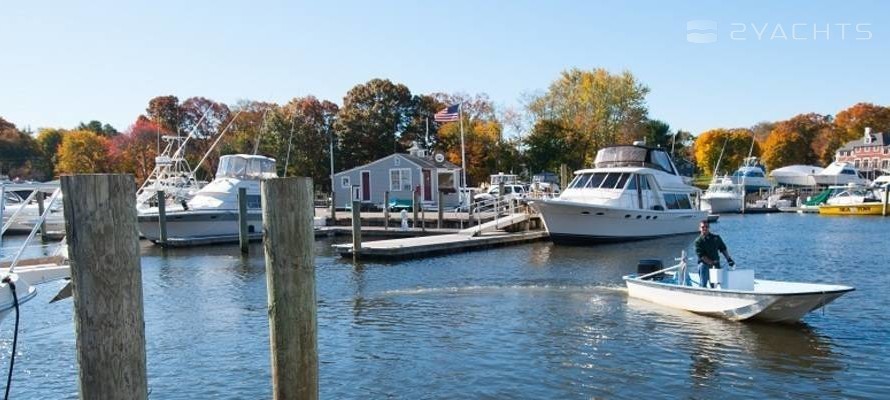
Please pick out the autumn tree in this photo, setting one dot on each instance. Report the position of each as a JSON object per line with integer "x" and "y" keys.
{"x": 813, "y": 130}
{"x": 734, "y": 144}
{"x": 135, "y": 150}
{"x": 550, "y": 145}
{"x": 48, "y": 142}
{"x": 19, "y": 153}
{"x": 82, "y": 152}
{"x": 603, "y": 108}
{"x": 786, "y": 147}
{"x": 373, "y": 118}
{"x": 166, "y": 112}
{"x": 850, "y": 124}
{"x": 482, "y": 141}
{"x": 304, "y": 127}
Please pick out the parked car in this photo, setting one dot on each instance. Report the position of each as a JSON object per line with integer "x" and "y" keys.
{"x": 512, "y": 193}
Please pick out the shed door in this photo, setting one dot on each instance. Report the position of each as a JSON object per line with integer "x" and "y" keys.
{"x": 427, "y": 185}
{"x": 366, "y": 185}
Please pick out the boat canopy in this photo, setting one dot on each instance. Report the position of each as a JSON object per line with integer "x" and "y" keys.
{"x": 243, "y": 166}
{"x": 634, "y": 156}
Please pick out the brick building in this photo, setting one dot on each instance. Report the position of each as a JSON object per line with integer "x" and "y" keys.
{"x": 870, "y": 153}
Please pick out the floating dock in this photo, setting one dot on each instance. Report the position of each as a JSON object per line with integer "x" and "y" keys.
{"x": 439, "y": 244}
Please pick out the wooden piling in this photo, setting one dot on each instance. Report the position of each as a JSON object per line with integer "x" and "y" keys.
{"x": 40, "y": 210}
{"x": 356, "y": 227}
{"x": 243, "y": 235}
{"x": 441, "y": 210}
{"x": 290, "y": 280}
{"x": 386, "y": 210}
{"x": 414, "y": 203}
{"x": 886, "y": 200}
{"x": 333, "y": 206}
{"x": 106, "y": 277}
{"x": 162, "y": 218}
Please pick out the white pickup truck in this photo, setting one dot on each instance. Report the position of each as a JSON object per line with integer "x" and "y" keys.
{"x": 512, "y": 193}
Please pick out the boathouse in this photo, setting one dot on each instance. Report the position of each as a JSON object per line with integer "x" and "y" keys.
{"x": 400, "y": 174}
{"x": 869, "y": 154}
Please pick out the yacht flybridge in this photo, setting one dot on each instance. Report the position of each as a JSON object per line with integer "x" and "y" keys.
{"x": 634, "y": 192}
{"x": 213, "y": 211}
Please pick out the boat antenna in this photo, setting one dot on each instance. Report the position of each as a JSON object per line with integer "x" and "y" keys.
{"x": 221, "y": 134}
{"x": 673, "y": 140}
{"x": 721, "y": 156}
{"x": 290, "y": 140}
{"x": 751, "y": 149}
{"x": 259, "y": 136}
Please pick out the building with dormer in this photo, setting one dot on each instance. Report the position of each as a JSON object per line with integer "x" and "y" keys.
{"x": 870, "y": 154}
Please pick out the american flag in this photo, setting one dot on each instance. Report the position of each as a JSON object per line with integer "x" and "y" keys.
{"x": 450, "y": 114}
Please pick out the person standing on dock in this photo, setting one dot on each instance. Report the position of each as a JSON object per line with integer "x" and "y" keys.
{"x": 707, "y": 248}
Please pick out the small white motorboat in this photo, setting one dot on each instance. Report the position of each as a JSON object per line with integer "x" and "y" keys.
{"x": 737, "y": 296}
{"x": 23, "y": 291}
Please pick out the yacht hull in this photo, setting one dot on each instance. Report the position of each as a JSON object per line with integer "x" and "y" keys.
{"x": 852, "y": 209}
{"x": 787, "y": 306}
{"x": 199, "y": 223}
{"x": 574, "y": 223}
{"x": 721, "y": 204}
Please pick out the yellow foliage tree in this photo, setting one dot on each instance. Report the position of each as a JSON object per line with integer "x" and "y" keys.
{"x": 481, "y": 141}
{"x": 785, "y": 146}
{"x": 82, "y": 152}
{"x": 709, "y": 144}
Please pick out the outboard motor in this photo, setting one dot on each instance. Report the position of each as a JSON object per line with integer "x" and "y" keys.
{"x": 649, "y": 266}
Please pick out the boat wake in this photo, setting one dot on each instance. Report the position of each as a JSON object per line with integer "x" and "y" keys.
{"x": 610, "y": 287}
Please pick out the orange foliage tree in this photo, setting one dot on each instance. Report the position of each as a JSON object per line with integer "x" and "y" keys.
{"x": 136, "y": 149}
{"x": 709, "y": 144}
{"x": 813, "y": 135}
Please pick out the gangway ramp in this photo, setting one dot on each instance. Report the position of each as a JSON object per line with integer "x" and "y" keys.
{"x": 497, "y": 224}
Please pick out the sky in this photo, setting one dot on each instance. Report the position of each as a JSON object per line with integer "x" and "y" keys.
{"x": 66, "y": 62}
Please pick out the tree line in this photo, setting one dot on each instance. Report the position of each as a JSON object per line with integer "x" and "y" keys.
{"x": 579, "y": 113}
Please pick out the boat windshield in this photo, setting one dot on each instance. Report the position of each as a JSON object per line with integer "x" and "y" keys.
{"x": 246, "y": 167}
{"x": 634, "y": 156}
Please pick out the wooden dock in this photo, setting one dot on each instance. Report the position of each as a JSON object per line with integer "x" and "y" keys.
{"x": 320, "y": 232}
{"x": 439, "y": 244}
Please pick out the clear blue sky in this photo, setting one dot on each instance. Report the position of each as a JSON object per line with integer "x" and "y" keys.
{"x": 69, "y": 61}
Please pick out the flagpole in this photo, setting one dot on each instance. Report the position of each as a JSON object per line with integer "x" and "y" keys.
{"x": 463, "y": 153}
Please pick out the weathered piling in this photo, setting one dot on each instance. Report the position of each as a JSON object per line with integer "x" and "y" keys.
{"x": 356, "y": 226}
{"x": 441, "y": 210}
{"x": 290, "y": 279}
{"x": 333, "y": 205}
{"x": 886, "y": 200}
{"x": 162, "y": 218}
{"x": 414, "y": 203}
{"x": 386, "y": 210}
{"x": 40, "y": 210}
{"x": 243, "y": 236}
{"x": 106, "y": 277}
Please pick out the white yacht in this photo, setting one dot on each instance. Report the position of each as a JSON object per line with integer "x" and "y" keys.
{"x": 838, "y": 173}
{"x": 752, "y": 175}
{"x": 723, "y": 196}
{"x": 20, "y": 214}
{"x": 795, "y": 175}
{"x": 213, "y": 211}
{"x": 634, "y": 192}
{"x": 172, "y": 174}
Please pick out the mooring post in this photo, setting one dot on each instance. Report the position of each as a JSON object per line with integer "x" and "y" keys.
{"x": 243, "y": 238}
{"x": 162, "y": 217}
{"x": 414, "y": 203}
{"x": 441, "y": 209}
{"x": 386, "y": 210}
{"x": 290, "y": 280}
{"x": 356, "y": 228}
{"x": 40, "y": 210}
{"x": 106, "y": 277}
{"x": 333, "y": 206}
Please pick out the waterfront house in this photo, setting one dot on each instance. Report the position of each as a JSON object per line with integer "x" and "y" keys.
{"x": 401, "y": 174}
{"x": 870, "y": 154}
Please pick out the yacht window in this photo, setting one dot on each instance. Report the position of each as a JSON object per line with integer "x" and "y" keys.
{"x": 754, "y": 174}
{"x": 611, "y": 180}
{"x": 632, "y": 182}
{"x": 676, "y": 201}
{"x": 685, "y": 203}
{"x": 644, "y": 182}
{"x": 580, "y": 181}
{"x": 622, "y": 180}
{"x": 662, "y": 160}
{"x": 652, "y": 184}
{"x": 596, "y": 180}
{"x": 508, "y": 189}
{"x": 237, "y": 166}
{"x": 848, "y": 171}
{"x": 254, "y": 168}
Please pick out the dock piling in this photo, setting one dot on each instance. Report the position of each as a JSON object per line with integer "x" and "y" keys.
{"x": 356, "y": 227}
{"x": 290, "y": 278}
{"x": 441, "y": 210}
{"x": 106, "y": 277}
{"x": 243, "y": 236}
{"x": 40, "y": 210}
{"x": 414, "y": 203}
{"x": 162, "y": 218}
{"x": 886, "y": 200}
{"x": 386, "y": 210}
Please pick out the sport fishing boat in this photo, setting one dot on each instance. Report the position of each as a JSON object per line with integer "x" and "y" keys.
{"x": 213, "y": 211}
{"x": 838, "y": 173}
{"x": 737, "y": 295}
{"x": 633, "y": 192}
{"x": 752, "y": 175}
{"x": 723, "y": 196}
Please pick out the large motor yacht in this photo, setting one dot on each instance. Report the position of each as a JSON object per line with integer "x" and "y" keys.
{"x": 213, "y": 211}
{"x": 752, "y": 175}
{"x": 634, "y": 192}
{"x": 723, "y": 196}
{"x": 838, "y": 173}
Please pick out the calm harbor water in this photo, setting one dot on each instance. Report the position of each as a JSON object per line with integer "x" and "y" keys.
{"x": 532, "y": 321}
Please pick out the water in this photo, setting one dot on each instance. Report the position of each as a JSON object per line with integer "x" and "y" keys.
{"x": 533, "y": 321}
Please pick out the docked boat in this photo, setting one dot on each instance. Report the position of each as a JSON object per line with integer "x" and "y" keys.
{"x": 20, "y": 214}
{"x": 23, "y": 291}
{"x": 795, "y": 175}
{"x": 213, "y": 211}
{"x": 752, "y": 175}
{"x": 633, "y": 192}
{"x": 738, "y": 295}
{"x": 723, "y": 196}
{"x": 854, "y": 200}
{"x": 838, "y": 173}
{"x": 171, "y": 174}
